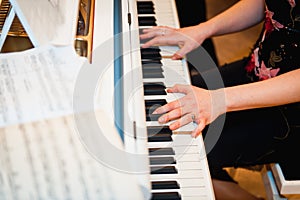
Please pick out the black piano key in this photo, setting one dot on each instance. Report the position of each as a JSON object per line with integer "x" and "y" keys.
{"x": 157, "y": 88}
{"x": 161, "y": 151}
{"x": 152, "y": 102}
{"x": 151, "y": 105}
{"x": 164, "y": 185}
{"x": 150, "y": 66}
{"x": 147, "y": 21}
{"x": 145, "y": 4}
{"x": 150, "y": 51}
{"x": 151, "y": 57}
{"x": 154, "y": 62}
{"x": 153, "y": 75}
{"x": 156, "y": 130}
{"x": 162, "y": 160}
{"x": 163, "y": 170}
{"x": 146, "y": 11}
{"x": 155, "y": 56}
{"x": 151, "y": 54}
{"x": 160, "y": 138}
{"x": 159, "y": 134}
{"x": 165, "y": 196}
{"x": 153, "y": 70}
{"x": 150, "y": 109}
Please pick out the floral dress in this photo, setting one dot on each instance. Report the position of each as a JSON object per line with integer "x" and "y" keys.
{"x": 278, "y": 49}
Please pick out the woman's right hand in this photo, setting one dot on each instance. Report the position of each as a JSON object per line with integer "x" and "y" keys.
{"x": 187, "y": 38}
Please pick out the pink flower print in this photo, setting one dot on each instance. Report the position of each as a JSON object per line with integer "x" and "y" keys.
{"x": 274, "y": 72}
{"x": 276, "y": 24}
{"x": 256, "y": 57}
{"x": 268, "y": 22}
{"x": 250, "y": 65}
{"x": 253, "y": 61}
{"x": 292, "y": 3}
{"x": 266, "y": 73}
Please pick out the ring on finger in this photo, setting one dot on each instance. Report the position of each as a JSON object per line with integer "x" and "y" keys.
{"x": 193, "y": 118}
{"x": 163, "y": 32}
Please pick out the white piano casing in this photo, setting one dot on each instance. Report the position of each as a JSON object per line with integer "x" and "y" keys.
{"x": 135, "y": 138}
{"x": 104, "y": 96}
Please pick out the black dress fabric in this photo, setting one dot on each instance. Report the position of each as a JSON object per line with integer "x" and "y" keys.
{"x": 265, "y": 135}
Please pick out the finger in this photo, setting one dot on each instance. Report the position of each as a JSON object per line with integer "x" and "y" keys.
{"x": 154, "y": 32}
{"x": 177, "y": 56}
{"x": 168, "y": 107}
{"x": 199, "y": 129}
{"x": 179, "y": 88}
{"x": 148, "y": 35}
{"x": 172, "y": 115}
{"x": 181, "y": 122}
{"x": 152, "y": 42}
{"x": 183, "y": 51}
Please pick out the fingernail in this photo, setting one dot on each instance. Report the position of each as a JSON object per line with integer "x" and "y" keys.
{"x": 193, "y": 135}
{"x": 161, "y": 120}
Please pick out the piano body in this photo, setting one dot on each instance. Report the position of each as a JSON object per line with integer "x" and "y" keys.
{"x": 177, "y": 162}
{"x": 168, "y": 165}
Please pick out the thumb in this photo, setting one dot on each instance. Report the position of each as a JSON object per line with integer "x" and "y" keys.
{"x": 186, "y": 48}
{"x": 179, "y": 88}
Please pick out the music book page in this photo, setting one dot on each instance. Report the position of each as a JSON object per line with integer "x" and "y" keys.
{"x": 37, "y": 83}
{"x": 46, "y": 150}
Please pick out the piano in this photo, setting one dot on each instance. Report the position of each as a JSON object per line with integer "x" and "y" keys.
{"x": 178, "y": 165}
{"x": 168, "y": 164}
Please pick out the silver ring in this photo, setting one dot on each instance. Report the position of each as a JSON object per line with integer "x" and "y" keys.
{"x": 193, "y": 118}
{"x": 163, "y": 32}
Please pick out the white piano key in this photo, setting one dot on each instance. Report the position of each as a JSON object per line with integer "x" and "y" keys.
{"x": 184, "y": 164}
{"x": 191, "y": 192}
{"x": 187, "y": 182}
{"x": 195, "y": 173}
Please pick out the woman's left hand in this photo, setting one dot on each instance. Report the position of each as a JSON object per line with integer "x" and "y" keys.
{"x": 199, "y": 105}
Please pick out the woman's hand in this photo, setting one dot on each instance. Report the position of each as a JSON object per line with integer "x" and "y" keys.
{"x": 187, "y": 38}
{"x": 198, "y": 105}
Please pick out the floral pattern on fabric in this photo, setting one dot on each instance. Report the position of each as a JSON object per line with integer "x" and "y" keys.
{"x": 278, "y": 48}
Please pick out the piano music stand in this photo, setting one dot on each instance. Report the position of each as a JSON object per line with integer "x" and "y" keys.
{"x": 13, "y": 12}
{"x": 6, "y": 27}
{"x": 47, "y": 22}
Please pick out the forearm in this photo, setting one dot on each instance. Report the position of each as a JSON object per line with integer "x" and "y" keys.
{"x": 279, "y": 90}
{"x": 240, "y": 16}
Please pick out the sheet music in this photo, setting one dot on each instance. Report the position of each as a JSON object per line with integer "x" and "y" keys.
{"x": 44, "y": 151}
{"x": 47, "y": 160}
{"x": 37, "y": 83}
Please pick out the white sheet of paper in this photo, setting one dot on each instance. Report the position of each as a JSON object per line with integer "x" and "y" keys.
{"x": 37, "y": 83}
{"x": 47, "y": 160}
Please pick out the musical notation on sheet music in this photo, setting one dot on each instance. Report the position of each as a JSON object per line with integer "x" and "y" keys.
{"x": 37, "y": 83}
{"x": 47, "y": 160}
{"x": 43, "y": 154}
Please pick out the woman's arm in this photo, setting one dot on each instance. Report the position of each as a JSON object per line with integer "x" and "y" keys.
{"x": 275, "y": 91}
{"x": 242, "y": 15}
{"x": 204, "y": 106}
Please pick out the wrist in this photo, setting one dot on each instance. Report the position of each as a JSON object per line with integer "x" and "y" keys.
{"x": 206, "y": 29}
{"x": 218, "y": 101}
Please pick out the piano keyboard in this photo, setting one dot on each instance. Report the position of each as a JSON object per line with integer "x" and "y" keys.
{"x": 178, "y": 164}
